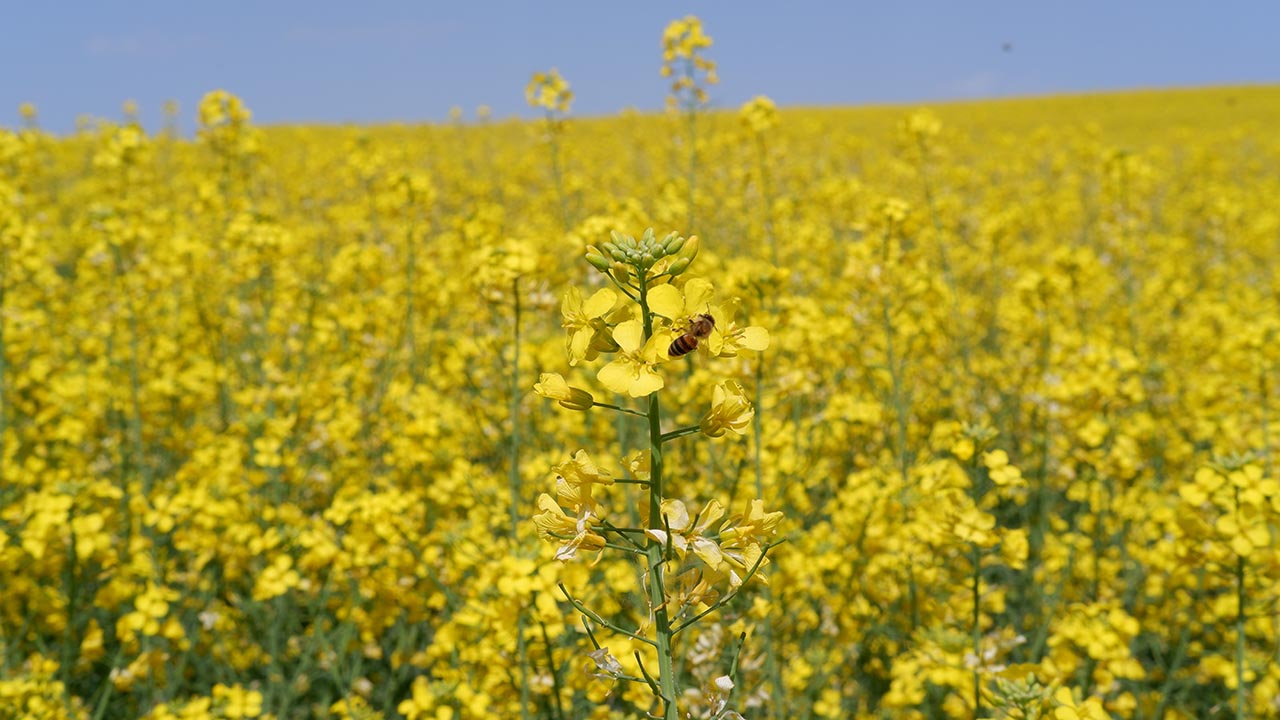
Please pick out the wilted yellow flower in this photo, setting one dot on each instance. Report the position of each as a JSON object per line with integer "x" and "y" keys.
{"x": 730, "y": 410}
{"x": 573, "y": 533}
{"x": 685, "y": 535}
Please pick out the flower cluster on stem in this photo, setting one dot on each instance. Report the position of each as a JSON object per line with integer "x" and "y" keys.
{"x": 693, "y": 561}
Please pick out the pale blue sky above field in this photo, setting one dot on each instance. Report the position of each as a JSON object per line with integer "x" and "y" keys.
{"x": 339, "y": 61}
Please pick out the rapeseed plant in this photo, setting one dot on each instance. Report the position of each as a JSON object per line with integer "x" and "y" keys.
{"x": 694, "y": 561}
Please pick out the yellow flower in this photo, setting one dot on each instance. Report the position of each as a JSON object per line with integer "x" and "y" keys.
{"x": 973, "y": 525}
{"x": 574, "y": 533}
{"x": 276, "y": 579}
{"x": 730, "y": 410}
{"x": 756, "y": 527}
{"x": 675, "y": 304}
{"x": 1069, "y": 709}
{"x": 632, "y": 369}
{"x": 553, "y": 387}
{"x": 1244, "y": 531}
{"x": 240, "y": 703}
{"x": 420, "y": 703}
{"x": 588, "y": 333}
{"x": 759, "y": 114}
{"x": 729, "y": 338}
{"x": 999, "y": 469}
{"x": 549, "y": 91}
{"x": 575, "y": 477}
{"x": 685, "y": 535}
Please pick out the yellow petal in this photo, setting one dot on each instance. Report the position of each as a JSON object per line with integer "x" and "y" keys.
{"x": 666, "y": 301}
{"x": 617, "y": 376}
{"x": 571, "y": 303}
{"x": 600, "y": 303}
{"x": 715, "y": 342}
{"x": 553, "y": 386}
{"x": 709, "y": 551}
{"x": 711, "y": 513}
{"x": 697, "y": 295}
{"x": 579, "y": 343}
{"x": 655, "y": 350}
{"x": 645, "y": 383}
{"x": 628, "y": 335}
{"x": 676, "y": 514}
{"x": 755, "y": 338}
{"x": 1258, "y": 535}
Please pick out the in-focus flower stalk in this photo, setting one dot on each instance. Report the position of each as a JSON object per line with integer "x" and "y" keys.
{"x": 710, "y": 559}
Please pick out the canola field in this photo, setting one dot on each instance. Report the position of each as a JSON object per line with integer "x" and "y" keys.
{"x": 385, "y": 422}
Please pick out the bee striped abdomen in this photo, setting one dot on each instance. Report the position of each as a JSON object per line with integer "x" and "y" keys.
{"x": 682, "y": 345}
{"x": 700, "y": 326}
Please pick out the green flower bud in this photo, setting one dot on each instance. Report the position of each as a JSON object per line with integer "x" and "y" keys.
{"x": 690, "y": 249}
{"x": 672, "y": 244}
{"x": 621, "y": 273}
{"x": 597, "y": 260}
{"x": 679, "y": 266}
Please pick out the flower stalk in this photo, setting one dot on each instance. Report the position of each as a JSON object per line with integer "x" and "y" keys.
{"x": 687, "y": 559}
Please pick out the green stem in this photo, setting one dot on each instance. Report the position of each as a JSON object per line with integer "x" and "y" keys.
{"x": 654, "y": 549}
{"x": 553, "y": 132}
{"x": 1239, "y": 637}
{"x": 524, "y": 668}
{"x": 762, "y": 155}
{"x": 693, "y": 143}
{"x": 772, "y": 668}
{"x": 513, "y": 478}
{"x": 4, "y": 368}
{"x": 977, "y": 630}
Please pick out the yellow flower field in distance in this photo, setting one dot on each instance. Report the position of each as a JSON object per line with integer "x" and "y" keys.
{"x": 992, "y": 385}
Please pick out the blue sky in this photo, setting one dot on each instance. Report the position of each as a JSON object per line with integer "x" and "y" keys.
{"x": 376, "y": 61}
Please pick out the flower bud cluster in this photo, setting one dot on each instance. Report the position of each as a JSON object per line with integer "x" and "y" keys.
{"x": 626, "y": 259}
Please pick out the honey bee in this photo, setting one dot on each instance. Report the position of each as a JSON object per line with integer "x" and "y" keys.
{"x": 700, "y": 326}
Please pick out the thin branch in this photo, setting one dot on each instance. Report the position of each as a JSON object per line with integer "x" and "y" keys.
{"x": 577, "y": 604}
{"x": 597, "y": 403}
{"x": 622, "y": 534}
{"x": 725, "y": 600}
{"x": 681, "y": 432}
